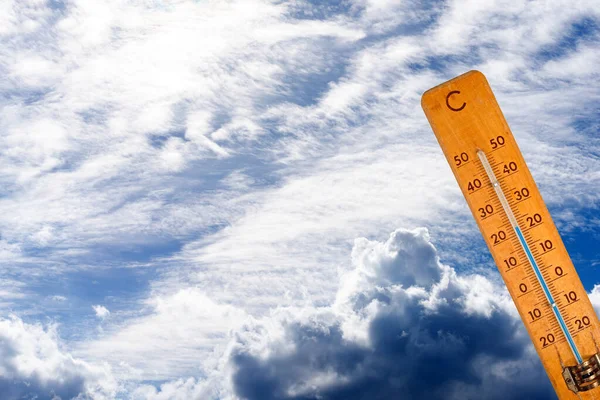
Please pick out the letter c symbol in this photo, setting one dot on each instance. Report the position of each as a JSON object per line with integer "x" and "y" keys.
{"x": 448, "y": 103}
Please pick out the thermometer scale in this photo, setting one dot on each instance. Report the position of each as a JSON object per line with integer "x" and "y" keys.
{"x": 519, "y": 232}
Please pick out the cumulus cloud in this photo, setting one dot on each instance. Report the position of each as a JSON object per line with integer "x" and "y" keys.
{"x": 101, "y": 311}
{"x": 33, "y": 365}
{"x": 403, "y": 326}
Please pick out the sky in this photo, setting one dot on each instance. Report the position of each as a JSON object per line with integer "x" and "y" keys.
{"x": 243, "y": 199}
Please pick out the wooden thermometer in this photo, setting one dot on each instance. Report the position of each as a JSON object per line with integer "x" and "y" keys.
{"x": 519, "y": 232}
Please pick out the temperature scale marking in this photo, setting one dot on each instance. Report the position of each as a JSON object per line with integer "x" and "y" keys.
{"x": 519, "y": 232}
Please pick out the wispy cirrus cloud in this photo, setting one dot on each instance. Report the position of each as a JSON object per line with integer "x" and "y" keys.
{"x": 138, "y": 121}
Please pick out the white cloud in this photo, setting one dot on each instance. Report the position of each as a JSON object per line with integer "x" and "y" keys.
{"x": 101, "y": 311}
{"x": 124, "y": 75}
{"x": 180, "y": 390}
{"x": 33, "y": 365}
{"x": 10, "y": 291}
{"x": 577, "y": 65}
{"x": 181, "y": 331}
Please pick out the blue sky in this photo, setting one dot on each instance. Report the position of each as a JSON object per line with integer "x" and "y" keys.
{"x": 243, "y": 199}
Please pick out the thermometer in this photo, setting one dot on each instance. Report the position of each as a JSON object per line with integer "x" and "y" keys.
{"x": 519, "y": 232}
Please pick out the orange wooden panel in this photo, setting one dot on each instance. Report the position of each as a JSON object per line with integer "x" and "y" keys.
{"x": 465, "y": 117}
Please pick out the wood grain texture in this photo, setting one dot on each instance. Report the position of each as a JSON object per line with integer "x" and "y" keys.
{"x": 465, "y": 117}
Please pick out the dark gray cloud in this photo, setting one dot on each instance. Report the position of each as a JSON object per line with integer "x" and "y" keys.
{"x": 426, "y": 333}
